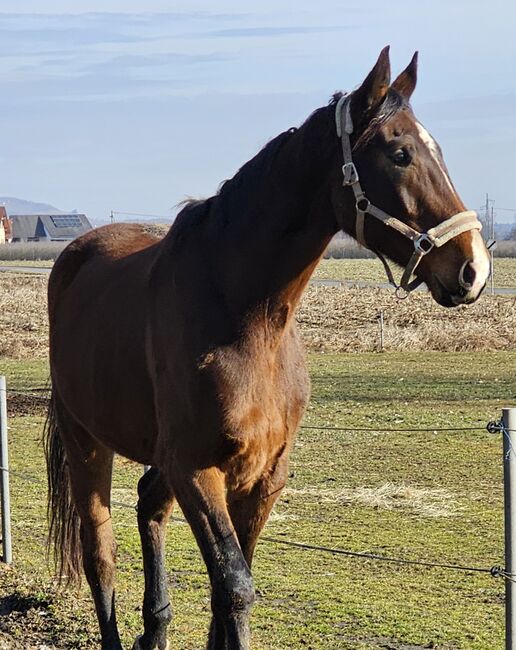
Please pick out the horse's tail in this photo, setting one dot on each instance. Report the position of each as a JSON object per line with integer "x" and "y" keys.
{"x": 63, "y": 517}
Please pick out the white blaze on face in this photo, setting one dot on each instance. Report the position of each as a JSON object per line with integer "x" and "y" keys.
{"x": 434, "y": 152}
{"x": 480, "y": 262}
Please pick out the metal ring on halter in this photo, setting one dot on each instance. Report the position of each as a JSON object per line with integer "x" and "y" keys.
{"x": 363, "y": 204}
{"x": 401, "y": 293}
{"x": 419, "y": 241}
{"x": 350, "y": 173}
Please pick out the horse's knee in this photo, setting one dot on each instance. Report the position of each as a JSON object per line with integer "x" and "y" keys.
{"x": 233, "y": 595}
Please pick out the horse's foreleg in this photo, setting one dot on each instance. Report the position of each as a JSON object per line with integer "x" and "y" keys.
{"x": 155, "y": 504}
{"x": 201, "y": 495}
{"x": 90, "y": 466}
{"x": 249, "y": 513}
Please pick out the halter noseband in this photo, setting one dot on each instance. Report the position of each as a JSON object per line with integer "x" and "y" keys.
{"x": 423, "y": 242}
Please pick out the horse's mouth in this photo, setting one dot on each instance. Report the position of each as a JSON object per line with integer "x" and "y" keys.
{"x": 446, "y": 298}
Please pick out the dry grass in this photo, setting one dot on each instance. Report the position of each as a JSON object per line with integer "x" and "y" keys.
{"x": 424, "y": 502}
{"x": 435, "y": 502}
{"x": 31, "y": 251}
{"x": 332, "y": 319}
{"x": 23, "y": 316}
{"x": 347, "y": 248}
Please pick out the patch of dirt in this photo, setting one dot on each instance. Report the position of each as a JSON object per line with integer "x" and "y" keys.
{"x": 24, "y": 404}
{"x": 386, "y": 643}
{"x": 24, "y": 620}
{"x": 31, "y": 608}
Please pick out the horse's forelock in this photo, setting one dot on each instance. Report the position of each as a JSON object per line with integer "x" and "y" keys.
{"x": 392, "y": 104}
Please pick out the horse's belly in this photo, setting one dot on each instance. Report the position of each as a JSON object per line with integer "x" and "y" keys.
{"x": 100, "y": 375}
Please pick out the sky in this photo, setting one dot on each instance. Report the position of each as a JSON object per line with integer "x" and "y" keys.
{"x": 133, "y": 106}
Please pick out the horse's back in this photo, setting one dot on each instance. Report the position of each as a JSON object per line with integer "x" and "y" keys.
{"x": 101, "y": 246}
{"x": 97, "y": 311}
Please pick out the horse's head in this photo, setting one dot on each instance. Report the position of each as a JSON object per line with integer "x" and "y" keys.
{"x": 398, "y": 167}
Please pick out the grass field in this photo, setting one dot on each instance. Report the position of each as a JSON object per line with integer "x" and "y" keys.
{"x": 372, "y": 270}
{"x": 331, "y": 319}
{"x": 365, "y": 270}
{"x": 32, "y": 263}
{"x": 432, "y": 496}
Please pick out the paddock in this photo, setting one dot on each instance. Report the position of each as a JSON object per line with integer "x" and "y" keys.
{"x": 415, "y": 493}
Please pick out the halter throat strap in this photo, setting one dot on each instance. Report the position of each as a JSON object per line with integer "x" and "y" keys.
{"x": 423, "y": 242}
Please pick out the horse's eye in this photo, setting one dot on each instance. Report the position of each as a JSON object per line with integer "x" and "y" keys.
{"x": 401, "y": 157}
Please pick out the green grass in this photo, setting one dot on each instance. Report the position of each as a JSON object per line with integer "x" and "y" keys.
{"x": 312, "y": 599}
{"x": 26, "y": 374}
{"x": 34, "y": 263}
{"x": 371, "y": 270}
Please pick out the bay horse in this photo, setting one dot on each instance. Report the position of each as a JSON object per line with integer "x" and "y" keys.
{"x": 182, "y": 353}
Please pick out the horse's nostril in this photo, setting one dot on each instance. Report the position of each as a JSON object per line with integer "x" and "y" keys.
{"x": 467, "y": 275}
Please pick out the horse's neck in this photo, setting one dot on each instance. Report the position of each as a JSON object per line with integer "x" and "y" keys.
{"x": 277, "y": 226}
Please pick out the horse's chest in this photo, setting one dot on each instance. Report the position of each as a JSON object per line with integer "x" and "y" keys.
{"x": 262, "y": 404}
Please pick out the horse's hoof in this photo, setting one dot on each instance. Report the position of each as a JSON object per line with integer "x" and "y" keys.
{"x": 137, "y": 645}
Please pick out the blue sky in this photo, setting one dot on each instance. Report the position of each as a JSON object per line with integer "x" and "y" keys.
{"x": 132, "y": 106}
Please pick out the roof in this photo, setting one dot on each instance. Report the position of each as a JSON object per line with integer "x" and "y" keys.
{"x": 49, "y": 226}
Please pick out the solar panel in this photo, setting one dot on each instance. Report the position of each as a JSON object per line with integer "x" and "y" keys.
{"x": 66, "y": 221}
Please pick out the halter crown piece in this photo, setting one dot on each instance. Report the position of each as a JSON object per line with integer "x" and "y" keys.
{"x": 423, "y": 242}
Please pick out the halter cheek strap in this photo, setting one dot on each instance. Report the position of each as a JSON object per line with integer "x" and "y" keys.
{"x": 423, "y": 242}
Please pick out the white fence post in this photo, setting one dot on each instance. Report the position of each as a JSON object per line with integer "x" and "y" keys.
{"x": 380, "y": 328}
{"x": 509, "y": 479}
{"x": 7, "y": 556}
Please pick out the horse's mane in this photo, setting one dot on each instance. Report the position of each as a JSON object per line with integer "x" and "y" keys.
{"x": 194, "y": 211}
{"x": 259, "y": 165}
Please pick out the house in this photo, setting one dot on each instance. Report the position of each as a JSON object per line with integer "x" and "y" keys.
{"x": 48, "y": 227}
{"x": 5, "y": 226}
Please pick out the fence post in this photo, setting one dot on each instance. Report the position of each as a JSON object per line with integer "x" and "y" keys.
{"x": 509, "y": 480}
{"x": 7, "y": 556}
{"x": 380, "y": 328}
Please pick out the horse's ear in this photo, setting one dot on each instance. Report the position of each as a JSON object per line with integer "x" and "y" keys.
{"x": 405, "y": 82}
{"x": 373, "y": 90}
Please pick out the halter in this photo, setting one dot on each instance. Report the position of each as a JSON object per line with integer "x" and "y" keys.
{"x": 423, "y": 242}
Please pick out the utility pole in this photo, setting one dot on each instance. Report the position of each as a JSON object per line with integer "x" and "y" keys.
{"x": 490, "y": 226}
{"x": 112, "y": 217}
{"x": 491, "y": 248}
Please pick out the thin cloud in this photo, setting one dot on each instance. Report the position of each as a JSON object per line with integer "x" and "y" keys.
{"x": 274, "y": 31}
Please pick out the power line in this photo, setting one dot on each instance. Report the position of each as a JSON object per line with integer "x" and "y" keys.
{"x": 142, "y": 214}
{"x": 382, "y": 430}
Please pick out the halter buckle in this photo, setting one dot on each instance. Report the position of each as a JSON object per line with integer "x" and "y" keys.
{"x": 423, "y": 244}
{"x": 350, "y": 173}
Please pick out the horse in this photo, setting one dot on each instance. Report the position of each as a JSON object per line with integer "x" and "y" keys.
{"x": 182, "y": 353}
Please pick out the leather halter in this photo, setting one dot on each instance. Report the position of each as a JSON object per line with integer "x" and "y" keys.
{"x": 423, "y": 242}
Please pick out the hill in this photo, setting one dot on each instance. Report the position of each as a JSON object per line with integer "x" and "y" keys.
{"x": 14, "y": 205}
